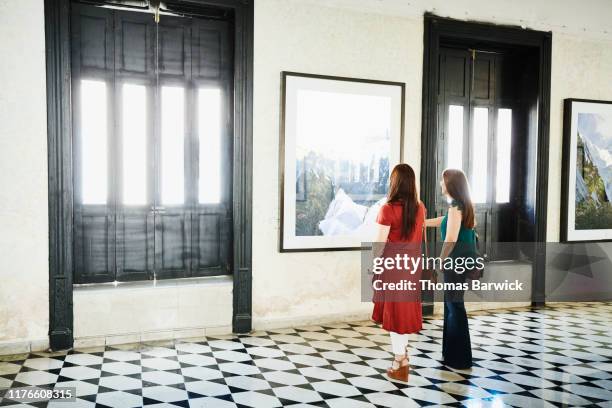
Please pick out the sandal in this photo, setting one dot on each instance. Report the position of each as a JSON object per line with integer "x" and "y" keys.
{"x": 398, "y": 370}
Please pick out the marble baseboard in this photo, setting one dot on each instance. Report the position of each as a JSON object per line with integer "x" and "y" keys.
{"x": 27, "y": 346}
{"x": 197, "y": 332}
{"x": 477, "y": 306}
{"x": 272, "y": 324}
{"x": 292, "y": 322}
{"x": 152, "y": 310}
{"x": 23, "y": 346}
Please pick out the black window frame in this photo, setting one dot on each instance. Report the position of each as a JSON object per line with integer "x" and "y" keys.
{"x": 119, "y": 242}
{"x": 493, "y": 95}
{"x": 59, "y": 142}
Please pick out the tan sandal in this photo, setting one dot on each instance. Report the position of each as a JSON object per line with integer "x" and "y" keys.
{"x": 401, "y": 372}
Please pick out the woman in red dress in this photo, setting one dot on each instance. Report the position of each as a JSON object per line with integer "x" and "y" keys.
{"x": 400, "y": 221}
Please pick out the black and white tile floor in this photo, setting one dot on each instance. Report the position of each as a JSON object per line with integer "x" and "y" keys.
{"x": 557, "y": 356}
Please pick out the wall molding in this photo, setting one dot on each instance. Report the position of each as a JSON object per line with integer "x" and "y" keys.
{"x": 23, "y": 346}
{"x": 312, "y": 320}
{"x": 191, "y": 333}
{"x": 59, "y": 145}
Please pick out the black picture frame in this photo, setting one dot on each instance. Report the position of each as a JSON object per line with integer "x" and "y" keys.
{"x": 282, "y": 139}
{"x": 566, "y": 177}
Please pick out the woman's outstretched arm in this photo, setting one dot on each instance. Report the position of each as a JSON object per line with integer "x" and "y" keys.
{"x": 433, "y": 222}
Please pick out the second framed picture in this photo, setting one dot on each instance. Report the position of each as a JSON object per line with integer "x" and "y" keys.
{"x": 340, "y": 137}
{"x": 586, "y": 203}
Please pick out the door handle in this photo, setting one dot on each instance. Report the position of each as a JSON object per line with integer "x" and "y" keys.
{"x": 158, "y": 210}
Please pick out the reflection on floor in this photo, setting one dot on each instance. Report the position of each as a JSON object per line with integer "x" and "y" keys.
{"x": 560, "y": 355}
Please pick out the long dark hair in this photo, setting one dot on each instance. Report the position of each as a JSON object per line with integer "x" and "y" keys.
{"x": 402, "y": 189}
{"x": 458, "y": 188}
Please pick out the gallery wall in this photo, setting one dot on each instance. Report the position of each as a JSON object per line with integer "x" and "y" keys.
{"x": 581, "y": 68}
{"x": 369, "y": 39}
{"x": 24, "y": 271}
{"x": 298, "y": 35}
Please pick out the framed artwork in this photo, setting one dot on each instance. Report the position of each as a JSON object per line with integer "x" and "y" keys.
{"x": 340, "y": 137}
{"x": 586, "y": 207}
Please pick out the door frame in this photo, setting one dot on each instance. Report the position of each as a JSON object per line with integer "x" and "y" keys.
{"x": 60, "y": 182}
{"x": 437, "y": 28}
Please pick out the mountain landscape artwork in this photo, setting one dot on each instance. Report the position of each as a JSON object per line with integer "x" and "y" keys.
{"x": 341, "y": 137}
{"x": 588, "y": 136}
{"x": 594, "y": 172}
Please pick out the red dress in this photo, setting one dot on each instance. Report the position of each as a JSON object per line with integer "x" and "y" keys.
{"x": 400, "y": 317}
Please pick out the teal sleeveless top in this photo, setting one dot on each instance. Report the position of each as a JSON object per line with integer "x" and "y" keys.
{"x": 466, "y": 235}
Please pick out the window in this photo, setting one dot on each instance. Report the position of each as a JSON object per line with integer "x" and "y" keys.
{"x": 480, "y": 103}
{"x": 94, "y": 152}
{"x": 134, "y": 141}
{"x": 210, "y": 134}
{"x": 504, "y": 151}
{"x": 454, "y": 152}
{"x": 483, "y": 148}
{"x": 479, "y": 158}
{"x": 152, "y": 137}
{"x": 172, "y": 145}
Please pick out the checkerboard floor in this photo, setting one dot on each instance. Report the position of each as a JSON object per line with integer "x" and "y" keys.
{"x": 560, "y": 355}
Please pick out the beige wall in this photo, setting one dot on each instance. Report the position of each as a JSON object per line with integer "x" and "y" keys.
{"x": 24, "y": 273}
{"x": 385, "y": 43}
{"x": 298, "y": 35}
{"x": 581, "y": 68}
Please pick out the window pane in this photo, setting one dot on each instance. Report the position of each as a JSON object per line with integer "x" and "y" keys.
{"x": 172, "y": 150}
{"x": 454, "y": 152}
{"x": 134, "y": 144}
{"x": 93, "y": 142}
{"x": 504, "y": 148}
{"x": 479, "y": 155}
{"x": 209, "y": 117}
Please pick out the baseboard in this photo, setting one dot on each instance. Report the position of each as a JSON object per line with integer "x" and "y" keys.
{"x": 242, "y": 323}
{"x": 34, "y": 345}
{"x": 60, "y": 340}
{"x": 143, "y": 337}
{"x": 23, "y": 346}
{"x": 309, "y": 320}
{"x": 438, "y": 308}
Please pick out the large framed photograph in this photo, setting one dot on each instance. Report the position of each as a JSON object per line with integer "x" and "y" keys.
{"x": 586, "y": 205}
{"x": 340, "y": 137}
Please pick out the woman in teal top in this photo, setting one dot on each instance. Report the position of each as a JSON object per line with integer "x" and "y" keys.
{"x": 458, "y": 236}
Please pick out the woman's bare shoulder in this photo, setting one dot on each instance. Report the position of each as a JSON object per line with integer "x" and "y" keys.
{"x": 454, "y": 211}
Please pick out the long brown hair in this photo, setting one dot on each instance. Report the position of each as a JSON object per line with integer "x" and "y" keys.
{"x": 458, "y": 188}
{"x": 402, "y": 189}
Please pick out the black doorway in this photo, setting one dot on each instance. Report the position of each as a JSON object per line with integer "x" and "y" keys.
{"x": 486, "y": 92}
